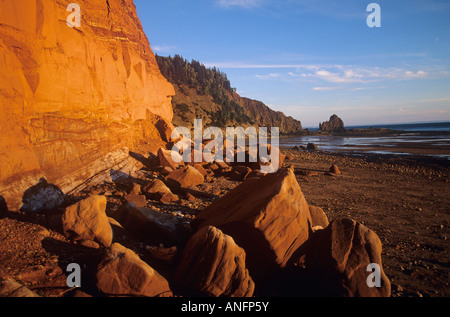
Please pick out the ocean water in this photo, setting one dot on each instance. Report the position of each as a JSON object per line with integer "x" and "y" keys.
{"x": 426, "y": 139}
{"x": 419, "y": 127}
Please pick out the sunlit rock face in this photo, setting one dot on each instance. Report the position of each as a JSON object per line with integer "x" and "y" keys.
{"x": 70, "y": 96}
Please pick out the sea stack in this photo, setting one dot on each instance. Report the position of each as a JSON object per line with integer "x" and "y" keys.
{"x": 335, "y": 124}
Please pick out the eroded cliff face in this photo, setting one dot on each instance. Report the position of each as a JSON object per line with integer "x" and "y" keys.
{"x": 74, "y": 100}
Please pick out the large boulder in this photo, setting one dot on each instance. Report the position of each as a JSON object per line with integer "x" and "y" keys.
{"x": 213, "y": 265}
{"x": 185, "y": 177}
{"x": 336, "y": 260}
{"x": 123, "y": 273}
{"x": 151, "y": 226}
{"x": 267, "y": 216}
{"x": 87, "y": 220}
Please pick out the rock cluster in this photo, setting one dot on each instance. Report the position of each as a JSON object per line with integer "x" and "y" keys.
{"x": 261, "y": 238}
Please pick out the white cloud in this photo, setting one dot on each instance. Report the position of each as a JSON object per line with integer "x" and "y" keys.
{"x": 163, "y": 48}
{"x": 240, "y": 3}
{"x": 268, "y": 76}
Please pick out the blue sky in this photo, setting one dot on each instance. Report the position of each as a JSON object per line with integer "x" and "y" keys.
{"x": 314, "y": 58}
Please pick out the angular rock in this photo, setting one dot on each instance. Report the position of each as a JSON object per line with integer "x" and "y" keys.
{"x": 123, "y": 273}
{"x": 268, "y": 217}
{"x": 150, "y": 226}
{"x": 337, "y": 257}
{"x": 212, "y": 264}
{"x": 335, "y": 170}
{"x": 169, "y": 198}
{"x": 200, "y": 168}
{"x": 136, "y": 200}
{"x": 11, "y": 288}
{"x": 166, "y": 159}
{"x": 87, "y": 220}
{"x": 318, "y": 217}
{"x": 156, "y": 189}
{"x": 42, "y": 196}
{"x": 185, "y": 177}
{"x": 135, "y": 189}
{"x": 240, "y": 173}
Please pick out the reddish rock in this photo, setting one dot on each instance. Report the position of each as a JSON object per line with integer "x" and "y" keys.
{"x": 200, "y": 168}
{"x": 268, "y": 217}
{"x": 337, "y": 257}
{"x": 185, "y": 177}
{"x": 222, "y": 165}
{"x": 318, "y": 217}
{"x": 213, "y": 265}
{"x": 135, "y": 189}
{"x": 190, "y": 197}
{"x": 240, "y": 173}
{"x": 136, "y": 200}
{"x": 169, "y": 198}
{"x": 87, "y": 220}
{"x": 166, "y": 159}
{"x": 335, "y": 170}
{"x": 156, "y": 189}
{"x": 123, "y": 273}
{"x": 12, "y": 288}
{"x": 151, "y": 226}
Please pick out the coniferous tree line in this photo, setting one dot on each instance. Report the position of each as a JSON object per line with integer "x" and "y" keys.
{"x": 206, "y": 81}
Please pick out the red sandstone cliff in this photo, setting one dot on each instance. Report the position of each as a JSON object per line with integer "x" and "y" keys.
{"x": 71, "y": 99}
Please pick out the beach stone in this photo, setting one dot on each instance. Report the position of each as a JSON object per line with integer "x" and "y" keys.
{"x": 135, "y": 189}
{"x": 268, "y": 217}
{"x": 156, "y": 189}
{"x": 200, "y": 168}
{"x": 136, "y": 200}
{"x": 123, "y": 273}
{"x": 166, "y": 160}
{"x": 169, "y": 198}
{"x": 185, "y": 177}
{"x": 318, "y": 217}
{"x": 337, "y": 257}
{"x": 213, "y": 265}
{"x": 312, "y": 146}
{"x": 87, "y": 220}
{"x": 335, "y": 170}
{"x": 151, "y": 226}
{"x": 240, "y": 173}
{"x": 11, "y": 288}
